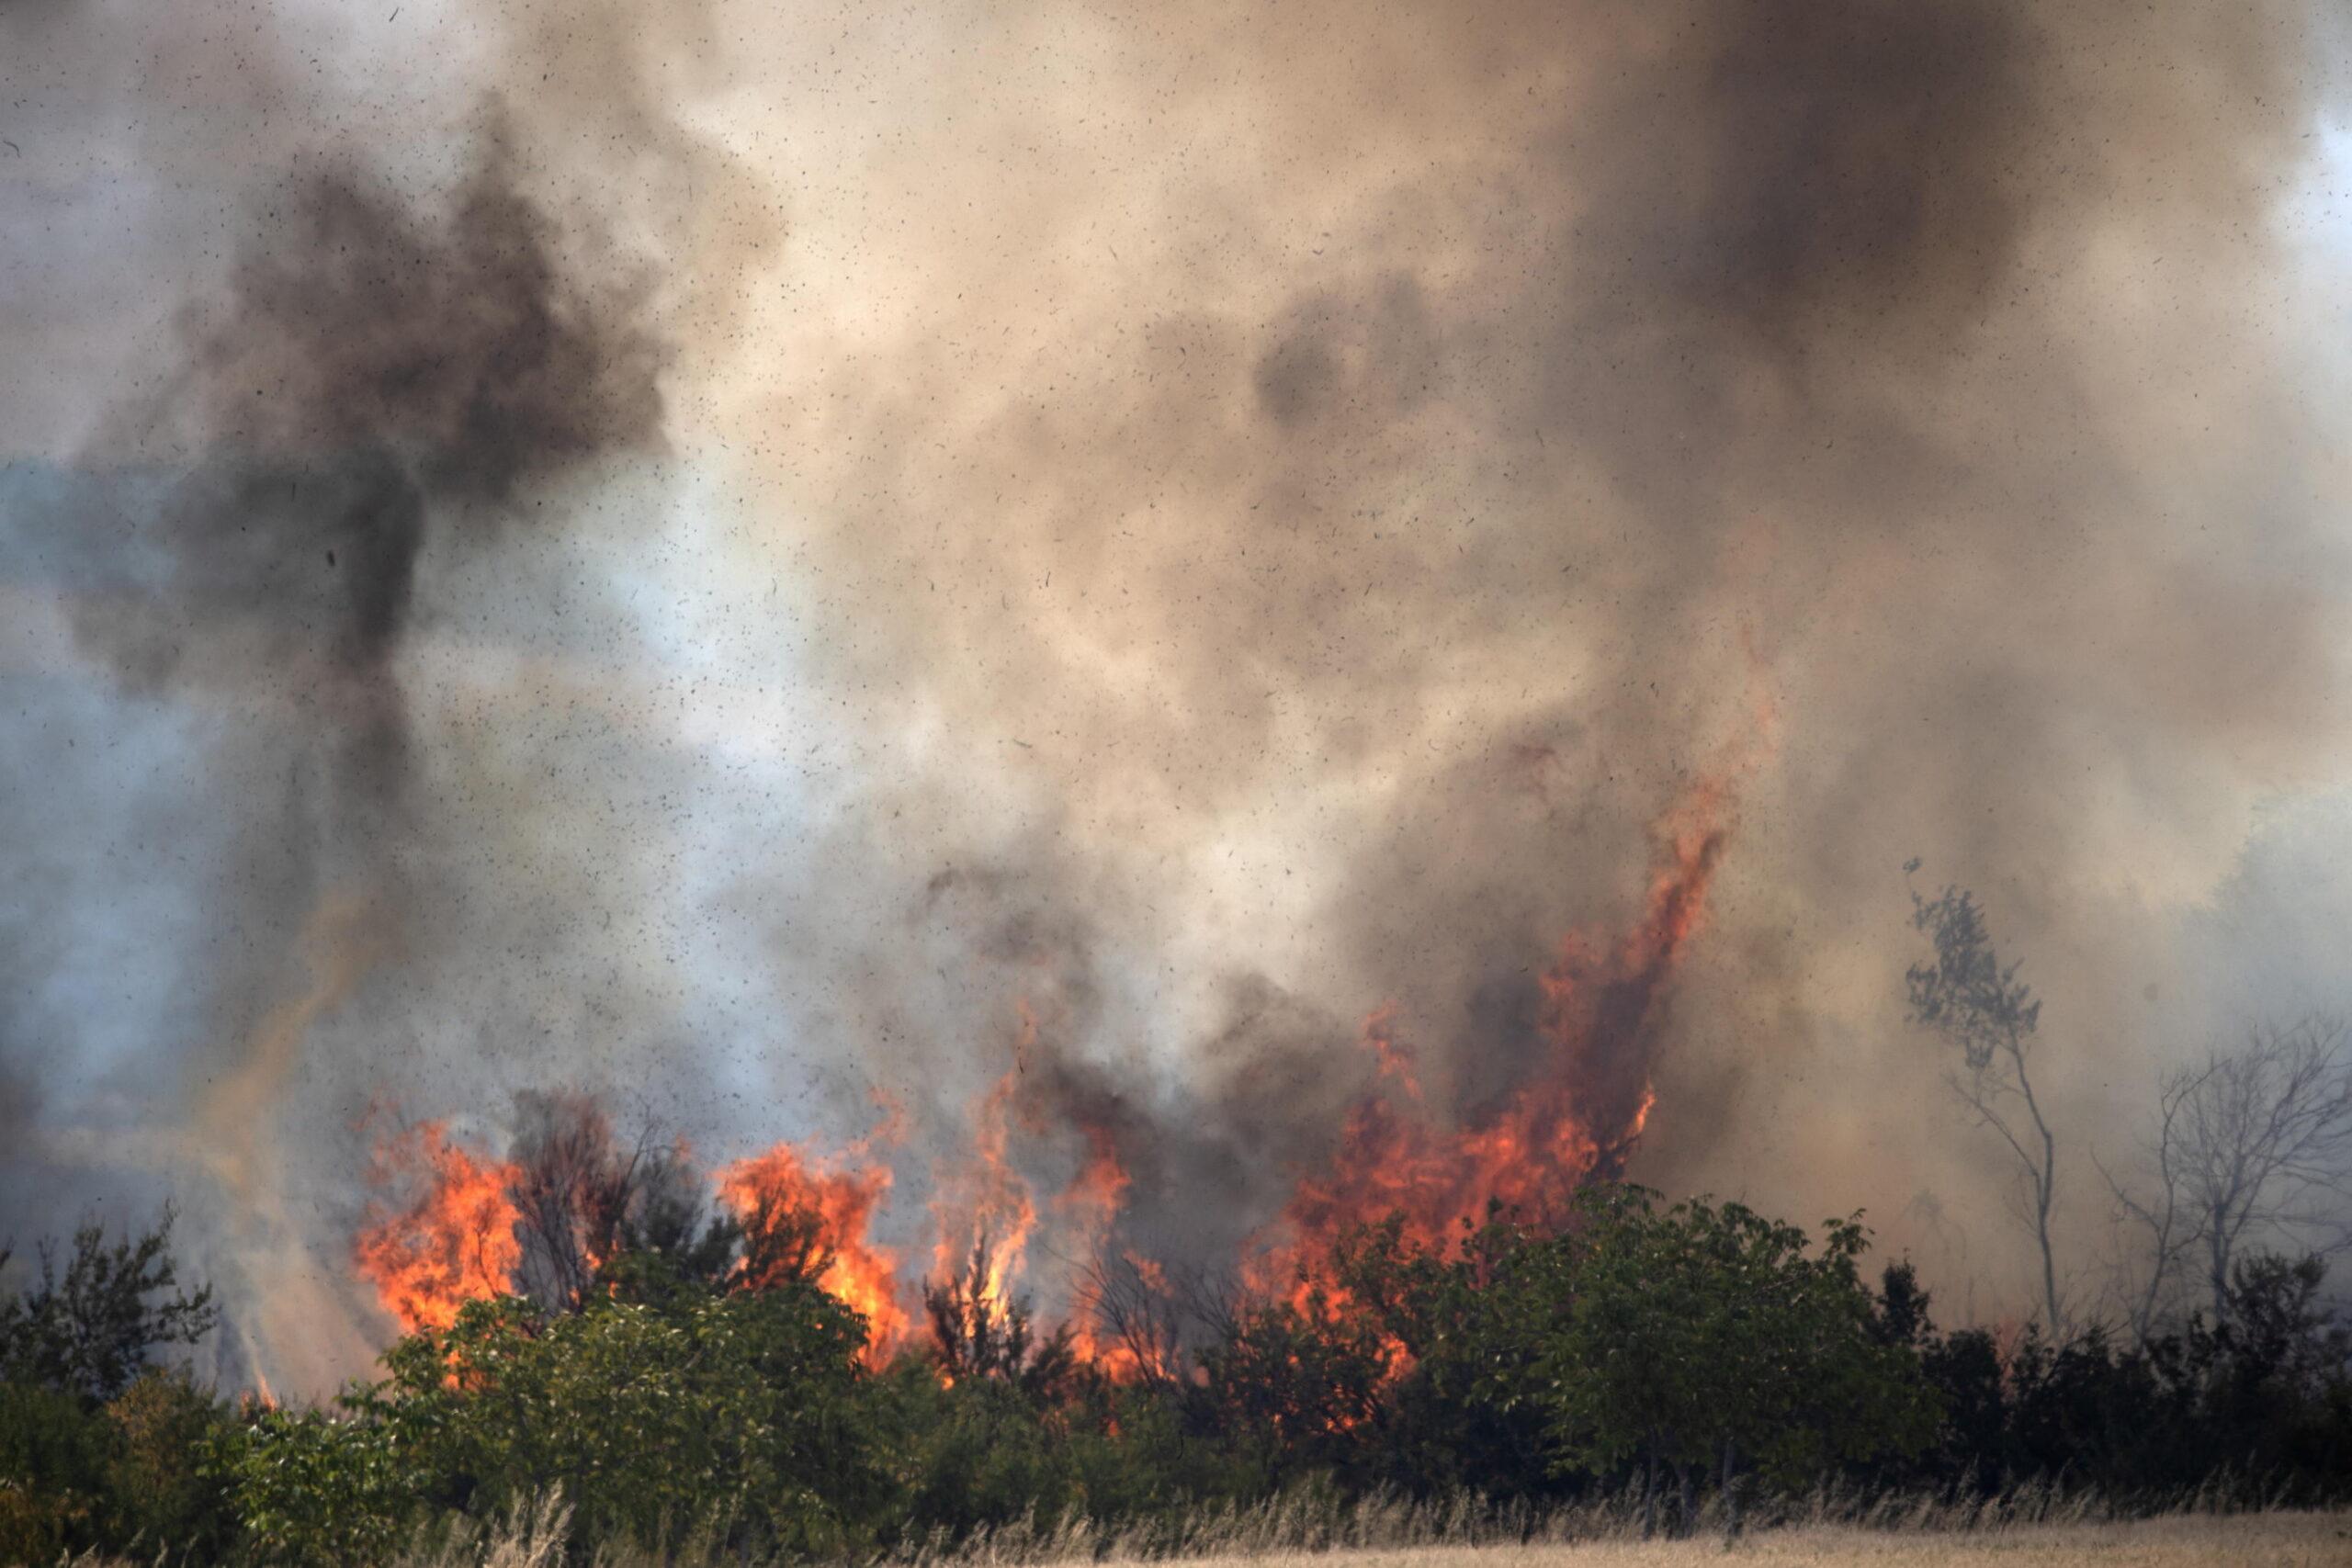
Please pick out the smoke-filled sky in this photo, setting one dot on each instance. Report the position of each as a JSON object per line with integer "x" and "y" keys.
{"x": 713, "y": 554}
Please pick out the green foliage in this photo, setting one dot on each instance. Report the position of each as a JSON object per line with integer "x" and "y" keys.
{"x": 2264, "y": 1395}
{"x": 164, "y": 1426}
{"x": 100, "y": 1448}
{"x": 729, "y": 1414}
{"x": 312, "y": 1487}
{"x": 979, "y": 1453}
{"x": 1972, "y": 999}
{"x": 1467, "y": 1414}
{"x": 1640, "y": 1343}
{"x": 78, "y": 1476}
{"x": 1706, "y": 1331}
{"x": 54, "y": 1454}
{"x": 89, "y": 1329}
{"x": 1295, "y": 1388}
{"x": 1968, "y": 994}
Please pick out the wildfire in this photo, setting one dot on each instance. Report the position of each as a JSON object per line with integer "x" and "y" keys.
{"x": 858, "y": 1270}
{"x": 1575, "y": 1115}
{"x": 1088, "y": 1208}
{"x": 452, "y": 1242}
{"x": 984, "y": 1201}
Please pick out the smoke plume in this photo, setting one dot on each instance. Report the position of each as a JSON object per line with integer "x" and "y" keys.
{"x": 742, "y": 559}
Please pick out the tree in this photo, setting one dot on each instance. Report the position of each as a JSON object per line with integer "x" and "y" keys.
{"x": 2264, "y": 1146}
{"x": 1135, "y": 1318}
{"x": 583, "y": 1199}
{"x": 1968, "y": 996}
{"x": 1295, "y": 1384}
{"x": 90, "y": 1329}
{"x": 733, "y": 1414}
{"x": 2157, "y": 1209}
{"x": 979, "y": 1333}
{"x": 2251, "y": 1147}
{"x": 1470, "y": 1321}
{"x": 1708, "y": 1336}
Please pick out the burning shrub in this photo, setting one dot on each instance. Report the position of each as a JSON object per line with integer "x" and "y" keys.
{"x": 1464, "y": 1323}
{"x": 979, "y": 1333}
{"x": 1298, "y": 1385}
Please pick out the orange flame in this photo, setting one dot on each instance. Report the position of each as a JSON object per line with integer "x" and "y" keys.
{"x": 1088, "y": 1208}
{"x": 860, "y": 1272}
{"x": 452, "y": 1243}
{"x": 985, "y": 1202}
{"x": 1577, "y": 1117}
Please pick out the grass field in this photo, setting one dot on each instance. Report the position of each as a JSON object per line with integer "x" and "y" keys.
{"x": 1265, "y": 1539}
{"x": 2181, "y": 1540}
{"x": 2303, "y": 1539}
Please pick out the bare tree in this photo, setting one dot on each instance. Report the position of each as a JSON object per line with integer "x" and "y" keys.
{"x": 2263, "y": 1145}
{"x": 572, "y": 1184}
{"x": 1968, "y": 996}
{"x": 583, "y": 1198}
{"x": 1140, "y": 1316}
{"x": 2158, "y": 1209}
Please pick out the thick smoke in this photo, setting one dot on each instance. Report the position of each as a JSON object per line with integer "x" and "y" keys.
{"x": 1361, "y": 474}
{"x": 371, "y": 373}
{"x": 378, "y": 374}
{"x": 1209, "y": 523}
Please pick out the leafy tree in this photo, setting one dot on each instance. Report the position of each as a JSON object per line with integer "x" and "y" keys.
{"x": 2263, "y": 1393}
{"x": 78, "y": 1477}
{"x": 734, "y": 1413}
{"x": 1707, "y": 1334}
{"x": 1296, "y": 1387}
{"x": 164, "y": 1426}
{"x": 53, "y": 1454}
{"x": 89, "y": 1329}
{"x": 1461, "y": 1412}
{"x": 313, "y": 1487}
{"x": 1970, "y": 996}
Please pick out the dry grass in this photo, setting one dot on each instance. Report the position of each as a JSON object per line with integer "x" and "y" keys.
{"x": 2026, "y": 1525}
{"x": 2024, "y": 1529}
{"x": 2291, "y": 1540}
{"x": 2304, "y": 1541}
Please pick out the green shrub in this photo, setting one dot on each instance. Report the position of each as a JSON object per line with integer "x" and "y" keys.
{"x": 735, "y": 1415}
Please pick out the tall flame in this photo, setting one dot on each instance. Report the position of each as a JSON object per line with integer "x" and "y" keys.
{"x": 452, "y": 1242}
{"x": 1088, "y": 1210}
{"x": 984, "y": 1201}
{"x": 1578, "y": 1115}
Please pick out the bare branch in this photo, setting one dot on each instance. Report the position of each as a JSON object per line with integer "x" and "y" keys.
{"x": 2263, "y": 1145}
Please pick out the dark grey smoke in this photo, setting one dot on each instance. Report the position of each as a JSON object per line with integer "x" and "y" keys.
{"x": 379, "y": 374}
{"x": 371, "y": 372}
